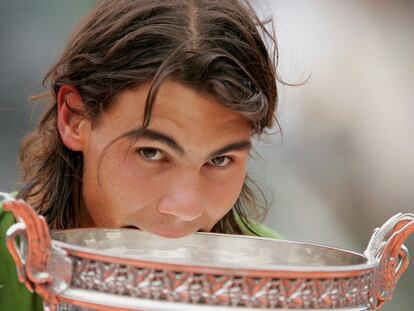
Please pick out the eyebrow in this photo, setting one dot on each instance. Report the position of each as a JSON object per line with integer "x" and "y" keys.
{"x": 171, "y": 143}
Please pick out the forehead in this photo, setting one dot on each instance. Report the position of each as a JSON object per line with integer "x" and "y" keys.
{"x": 179, "y": 108}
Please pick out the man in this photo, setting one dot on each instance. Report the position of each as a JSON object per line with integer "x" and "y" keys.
{"x": 153, "y": 105}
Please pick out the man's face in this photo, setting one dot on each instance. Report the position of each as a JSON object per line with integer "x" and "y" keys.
{"x": 183, "y": 175}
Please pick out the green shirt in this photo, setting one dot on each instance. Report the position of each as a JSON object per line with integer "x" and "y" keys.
{"x": 14, "y": 295}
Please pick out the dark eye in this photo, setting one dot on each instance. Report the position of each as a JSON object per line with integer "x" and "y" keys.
{"x": 151, "y": 154}
{"x": 220, "y": 161}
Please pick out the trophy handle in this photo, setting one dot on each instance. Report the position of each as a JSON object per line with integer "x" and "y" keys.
{"x": 29, "y": 244}
{"x": 386, "y": 247}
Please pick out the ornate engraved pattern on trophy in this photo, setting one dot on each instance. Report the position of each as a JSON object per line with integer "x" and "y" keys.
{"x": 224, "y": 290}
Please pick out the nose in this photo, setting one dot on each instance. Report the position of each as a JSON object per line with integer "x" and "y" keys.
{"x": 183, "y": 199}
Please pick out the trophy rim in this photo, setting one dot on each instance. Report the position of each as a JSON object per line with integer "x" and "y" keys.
{"x": 276, "y": 270}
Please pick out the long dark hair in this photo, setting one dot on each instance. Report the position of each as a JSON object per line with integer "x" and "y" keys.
{"x": 217, "y": 47}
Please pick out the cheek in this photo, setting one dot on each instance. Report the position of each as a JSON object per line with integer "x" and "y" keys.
{"x": 225, "y": 194}
{"x": 134, "y": 185}
{"x": 122, "y": 187}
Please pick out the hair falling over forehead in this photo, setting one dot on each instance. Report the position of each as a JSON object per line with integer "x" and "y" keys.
{"x": 217, "y": 47}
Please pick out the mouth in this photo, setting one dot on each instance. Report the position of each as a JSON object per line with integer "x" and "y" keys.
{"x": 170, "y": 234}
{"x": 132, "y": 227}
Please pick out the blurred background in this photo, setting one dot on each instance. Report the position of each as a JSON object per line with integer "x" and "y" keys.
{"x": 345, "y": 163}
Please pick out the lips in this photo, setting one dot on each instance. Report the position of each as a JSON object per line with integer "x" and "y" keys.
{"x": 170, "y": 234}
{"x": 164, "y": 233}
{"x": 131, "y": 227}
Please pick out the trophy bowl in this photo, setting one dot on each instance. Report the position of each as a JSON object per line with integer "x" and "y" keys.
{"x": 128, "y": 269}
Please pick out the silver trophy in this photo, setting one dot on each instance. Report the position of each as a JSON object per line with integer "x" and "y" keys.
{"x": 127, "y": 269}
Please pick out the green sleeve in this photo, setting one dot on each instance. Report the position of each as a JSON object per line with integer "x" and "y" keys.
{"x": 266, "y": 232}
{"x": 14, "y": 295}
{"x": 259, "y": 230}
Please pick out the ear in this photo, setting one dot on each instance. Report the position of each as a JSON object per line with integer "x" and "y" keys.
{"x": 70, "y": 117}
